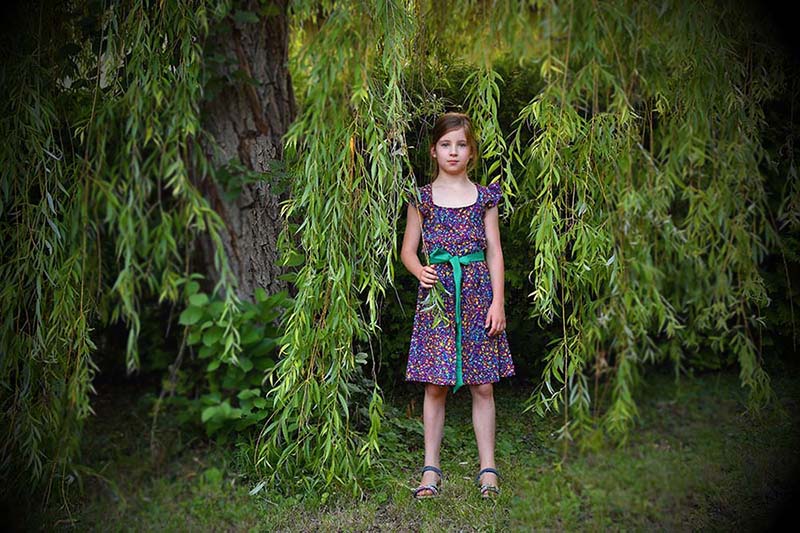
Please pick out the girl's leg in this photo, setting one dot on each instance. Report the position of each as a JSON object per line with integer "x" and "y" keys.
{"x": 433, "y": 420}
{"x": 484, "y": 423}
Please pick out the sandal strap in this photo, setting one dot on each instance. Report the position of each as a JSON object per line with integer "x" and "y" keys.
{"x": 430, "y": 468}
{"x": 489, "y": 470}
{"x": 489, "y": 488}
{"x": 431, "y": 487}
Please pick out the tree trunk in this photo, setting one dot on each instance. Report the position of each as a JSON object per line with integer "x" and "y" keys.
{"x": 248, "y": 121}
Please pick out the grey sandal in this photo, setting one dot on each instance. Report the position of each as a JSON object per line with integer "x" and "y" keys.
{"x": 486, "y": 488}
{"x": 435, "y": 488}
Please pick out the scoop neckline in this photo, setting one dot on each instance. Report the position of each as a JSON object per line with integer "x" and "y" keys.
{"x": 477, "y": 198}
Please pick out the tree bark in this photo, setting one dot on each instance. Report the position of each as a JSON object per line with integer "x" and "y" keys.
{"x": 248, "y": 121}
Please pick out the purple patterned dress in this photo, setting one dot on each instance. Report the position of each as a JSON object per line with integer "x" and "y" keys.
{"x": 432, "y": 355}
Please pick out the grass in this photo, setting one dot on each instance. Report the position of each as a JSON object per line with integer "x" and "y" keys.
{"x": 695, "y": 461}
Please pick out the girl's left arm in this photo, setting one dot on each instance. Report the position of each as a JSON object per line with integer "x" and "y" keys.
{"x": 496, "y": 317}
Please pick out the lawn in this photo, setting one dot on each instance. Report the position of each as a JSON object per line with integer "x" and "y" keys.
{"x": 696, "y": 460}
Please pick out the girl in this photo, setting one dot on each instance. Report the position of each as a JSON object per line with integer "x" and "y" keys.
{"x": 458, "y": 222}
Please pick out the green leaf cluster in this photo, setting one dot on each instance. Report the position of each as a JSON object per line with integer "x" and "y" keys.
{"x": 235, "y": 398}
{"x": 645, "y": 203}
{"x": 99, "y": 206}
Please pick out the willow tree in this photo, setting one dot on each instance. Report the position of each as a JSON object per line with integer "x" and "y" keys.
{"x": 134, "y": 132}
{"x": 635, "y": 171}
{"x": 646, "y": 200}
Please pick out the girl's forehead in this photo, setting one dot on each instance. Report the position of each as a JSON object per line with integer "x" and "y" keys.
{"x": 456, "y": 134}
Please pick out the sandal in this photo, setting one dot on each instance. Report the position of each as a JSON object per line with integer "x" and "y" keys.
{"x": 486, "y": 488}
{"x": 434, "y": 488}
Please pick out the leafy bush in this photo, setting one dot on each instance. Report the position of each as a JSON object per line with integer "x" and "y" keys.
{"x": 233, "y": 397}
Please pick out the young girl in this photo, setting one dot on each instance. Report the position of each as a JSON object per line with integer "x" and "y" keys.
{"x": 458, "y": 221}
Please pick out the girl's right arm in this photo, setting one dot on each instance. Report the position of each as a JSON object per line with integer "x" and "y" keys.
{"x": 408, "y": 254}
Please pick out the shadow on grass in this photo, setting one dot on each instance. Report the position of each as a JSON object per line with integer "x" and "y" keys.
{"x": 695, "y": 461}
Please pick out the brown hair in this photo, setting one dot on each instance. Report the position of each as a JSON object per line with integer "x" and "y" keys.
{"x": 447, "y": 123}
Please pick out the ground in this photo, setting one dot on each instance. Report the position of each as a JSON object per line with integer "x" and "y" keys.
{"x": 695, "y": 461}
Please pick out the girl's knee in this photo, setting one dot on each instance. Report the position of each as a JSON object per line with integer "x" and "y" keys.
{"x": 483, "y": 391}
{"x": 437, "y": 391}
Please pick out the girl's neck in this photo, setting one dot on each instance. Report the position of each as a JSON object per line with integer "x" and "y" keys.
{"x": 451, "y": 179}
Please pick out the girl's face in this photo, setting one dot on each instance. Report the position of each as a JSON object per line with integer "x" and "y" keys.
{"x": 452, "y": 152}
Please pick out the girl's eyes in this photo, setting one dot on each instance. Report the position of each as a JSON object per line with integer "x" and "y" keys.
{"x": 445, "y": 145}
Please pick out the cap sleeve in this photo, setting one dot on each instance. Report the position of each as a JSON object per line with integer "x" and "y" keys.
{"x": 493, "y": 195}
{"x": 421, "y": 203}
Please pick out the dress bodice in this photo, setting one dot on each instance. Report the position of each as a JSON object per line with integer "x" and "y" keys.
{"x": 458, "y": 230}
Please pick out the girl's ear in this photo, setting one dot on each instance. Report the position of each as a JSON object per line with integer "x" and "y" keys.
{"x": 433, "y": 151}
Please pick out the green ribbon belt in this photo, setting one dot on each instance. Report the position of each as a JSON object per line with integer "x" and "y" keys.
{"x": 441, "y": 256}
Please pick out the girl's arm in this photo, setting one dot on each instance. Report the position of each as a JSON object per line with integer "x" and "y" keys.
{"x": 496, "y": 317}
{"x": 408, "y": 253}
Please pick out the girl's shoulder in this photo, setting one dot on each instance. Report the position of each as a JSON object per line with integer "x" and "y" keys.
{"x": 421, "y": 198}
{"x": 425, "y": 193}
{"x": 489, "y": 195}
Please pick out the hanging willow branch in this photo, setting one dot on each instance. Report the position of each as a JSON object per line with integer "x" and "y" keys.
{"x": 344, "y": 143}
{"x": 651, "y": 216}
{"x": 634, "y": 168}
{"x": 638, "y": 166}
{"x": 97, "y": 206}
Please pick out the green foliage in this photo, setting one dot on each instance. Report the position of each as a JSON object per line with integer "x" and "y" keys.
{"x": 649, "y": 219}
{"x": 631, "y": 157}
{"x": 234, "y": 400}
{"x": 46, "y": 295}
{"x": 633, "y": 166}
{"x": 99, "y": 209}
{"x": 348, "y": 142}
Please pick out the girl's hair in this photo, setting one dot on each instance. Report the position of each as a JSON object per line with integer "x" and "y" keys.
{"x": 447, "y": 123}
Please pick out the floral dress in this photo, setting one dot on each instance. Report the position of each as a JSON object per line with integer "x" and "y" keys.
{"x": 432, "y": 355}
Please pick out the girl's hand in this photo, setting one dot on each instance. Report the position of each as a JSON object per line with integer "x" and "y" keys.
{"x": 495, "y": 319}
{"x": 428, "y": 277}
